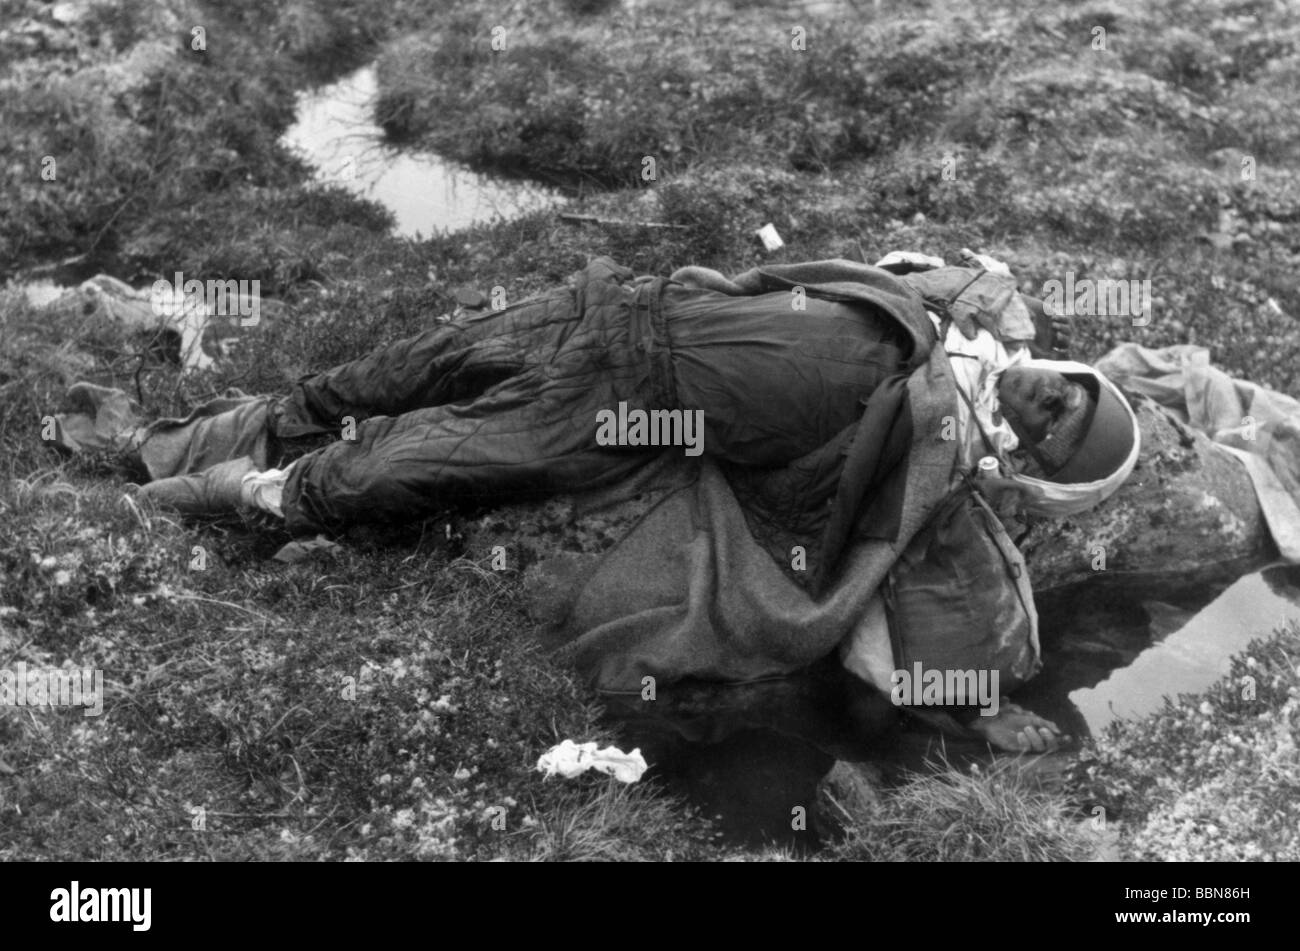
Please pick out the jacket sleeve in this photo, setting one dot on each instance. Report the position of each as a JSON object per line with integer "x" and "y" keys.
{"x": 975, "y": 298}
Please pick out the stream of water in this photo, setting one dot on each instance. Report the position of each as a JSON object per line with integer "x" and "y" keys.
{"x": 335, "y": 131}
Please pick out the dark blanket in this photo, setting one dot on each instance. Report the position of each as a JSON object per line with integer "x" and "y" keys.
{"x": 690, "y": 592}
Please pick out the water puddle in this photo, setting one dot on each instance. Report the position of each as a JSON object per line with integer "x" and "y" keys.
{"x": 1196, "y": 655}
{"x": 749, "y": 755}
{"x": 336, "y": 133}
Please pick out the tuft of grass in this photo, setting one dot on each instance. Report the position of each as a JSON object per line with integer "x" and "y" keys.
{"x": 991, "y": 814}
{"x": 626, "y": 823}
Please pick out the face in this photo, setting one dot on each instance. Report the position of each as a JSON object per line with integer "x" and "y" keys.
{"x": 1033, "y": 398}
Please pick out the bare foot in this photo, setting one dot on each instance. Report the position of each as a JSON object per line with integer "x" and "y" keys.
{"x": 1016, "y": 730}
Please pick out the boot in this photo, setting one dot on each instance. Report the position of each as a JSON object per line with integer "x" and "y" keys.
{"x": 214, "y": 491}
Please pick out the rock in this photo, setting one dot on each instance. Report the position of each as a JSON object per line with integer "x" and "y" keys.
{"x": 551, "y": 585}
{"x": 1188, "y": 517}
{"x": 303, "y": 549}
{"x": 66, "y": 14}
{"x": 849, "y": 792}
{"x": 470, "y": 298}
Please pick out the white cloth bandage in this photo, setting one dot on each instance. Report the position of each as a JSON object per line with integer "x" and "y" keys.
{"x": 264, "y": 491}
{"x": 977, "y": 367}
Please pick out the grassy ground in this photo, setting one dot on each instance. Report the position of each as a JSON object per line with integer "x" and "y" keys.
{"x": 383, "y": 703}
{"x": 1123, "y": 162}
{"x": 228, "y": 683}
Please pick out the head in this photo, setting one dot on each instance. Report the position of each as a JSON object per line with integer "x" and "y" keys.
{"x": 1037, "y": 401}
{"x": 1075, "y": 428}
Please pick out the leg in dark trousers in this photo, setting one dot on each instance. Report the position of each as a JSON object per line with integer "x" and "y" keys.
{"x": 450, "y": 363}
{"x": 497, "y": 407}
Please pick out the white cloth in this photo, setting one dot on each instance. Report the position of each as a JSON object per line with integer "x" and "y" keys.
{"x": 570, "y": 759}
{"x": 265, "y": 490}
{"x": 977, "y": 366}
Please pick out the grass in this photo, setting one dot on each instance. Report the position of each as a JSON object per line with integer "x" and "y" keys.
{"x": 990, "y": 814}
{"x": 380, "y": 704}
{"x": 227, "y": 683}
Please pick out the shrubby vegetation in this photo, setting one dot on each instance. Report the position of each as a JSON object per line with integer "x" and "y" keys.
{"x": 1213, "y": 777}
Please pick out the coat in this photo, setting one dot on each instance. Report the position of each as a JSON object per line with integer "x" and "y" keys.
{"x": 691, "y": 593}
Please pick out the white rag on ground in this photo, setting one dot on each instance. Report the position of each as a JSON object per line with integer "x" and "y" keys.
{"x": 570, "y": 759}
{"x": 203, "y": 333}
{"x": 1259, "y": 426}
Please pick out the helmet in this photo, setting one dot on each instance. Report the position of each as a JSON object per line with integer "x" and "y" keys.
{"x": 1107, "y": 438}
{"x": 1106, "y": 455}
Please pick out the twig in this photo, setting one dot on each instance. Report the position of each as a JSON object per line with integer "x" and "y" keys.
{"x": 18, "y": 650}
{"x": 620, "y": 222}
{"x": 228, "y": 604}
{"x": 139, "y": 392}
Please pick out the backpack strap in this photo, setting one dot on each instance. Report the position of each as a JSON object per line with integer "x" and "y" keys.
{"x": 988, "y": 443}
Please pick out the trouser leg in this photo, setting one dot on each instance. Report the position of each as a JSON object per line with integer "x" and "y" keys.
{"x": 523, "y": 439}
{"x": 450, "y": 363}
{"x": 447, "y": 363}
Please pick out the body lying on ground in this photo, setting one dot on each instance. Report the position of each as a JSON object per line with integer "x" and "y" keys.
{"x": 831, "y": 403}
